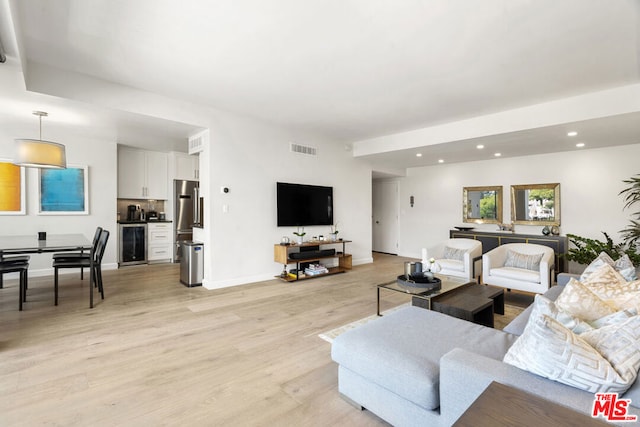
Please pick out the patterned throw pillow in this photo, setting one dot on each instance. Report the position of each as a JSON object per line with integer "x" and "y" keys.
{"x": 577, "y": 300}
{"x": 608, "y": 284}
{"x": 543, "y": 306}
{"x": 518, "y": 260}
{"x": 453, "y": 253}
{"x": 613, "y": 319}
{"x": 549, "y": 349}
{"x": 623, "y": 265}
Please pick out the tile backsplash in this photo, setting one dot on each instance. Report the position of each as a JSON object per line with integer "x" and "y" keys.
{"x": 147, "y": 205}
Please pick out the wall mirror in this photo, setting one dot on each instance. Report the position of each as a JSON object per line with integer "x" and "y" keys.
{"x": 535, "y": 204}
{"x": 482, "y": 205}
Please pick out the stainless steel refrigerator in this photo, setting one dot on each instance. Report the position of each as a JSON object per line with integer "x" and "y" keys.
{"x": 186, "y": 213}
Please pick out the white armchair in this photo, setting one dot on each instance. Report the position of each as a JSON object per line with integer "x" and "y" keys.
{"x": 521, "y": 266}
{"x": 456, "y": 257}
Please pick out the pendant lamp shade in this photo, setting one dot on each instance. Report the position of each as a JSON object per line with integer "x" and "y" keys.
{"x": 37, "y": 153}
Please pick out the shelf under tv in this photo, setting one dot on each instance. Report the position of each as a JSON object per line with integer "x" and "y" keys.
{"x": 281, "y": 255}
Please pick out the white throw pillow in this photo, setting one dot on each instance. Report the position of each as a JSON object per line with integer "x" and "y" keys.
{"x": 549, "y": 349}
{"x": 579, "y": 301}
{"x": 453, "y": 253}
{"x": 608, "y": 284}
{"x": 543, "y": 306}
{"x": 623, "y": 265}
{"x": 526, "y": 261}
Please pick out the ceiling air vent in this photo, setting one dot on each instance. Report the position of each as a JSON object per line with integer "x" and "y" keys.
{"x": 303, "y": 149}
{"x": 198, "y": 141}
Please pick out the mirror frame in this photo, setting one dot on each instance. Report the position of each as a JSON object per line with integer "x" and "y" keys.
{"x": 556, "y": 203}
{"x": 465, "y": 207}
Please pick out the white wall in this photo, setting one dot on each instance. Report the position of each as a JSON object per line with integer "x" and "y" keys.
{"x": 249, "y": 157}
{"x": 101, "y": 157}
{"x": 590, "y": 181}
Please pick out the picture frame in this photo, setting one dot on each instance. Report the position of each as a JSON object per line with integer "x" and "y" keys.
{"x": 12, "y": 189}
{"x": 63, "y": 191}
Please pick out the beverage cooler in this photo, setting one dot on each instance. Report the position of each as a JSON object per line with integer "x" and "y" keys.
{"x": 132, "y": 242}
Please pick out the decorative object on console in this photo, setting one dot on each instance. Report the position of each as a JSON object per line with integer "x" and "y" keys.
{"x": 506, "y": 227}
{"x": 285, "y": 241}
{"x": 300, "y": 233}
{"x": 545, "y": 230}
{"x": 334, "y": 232}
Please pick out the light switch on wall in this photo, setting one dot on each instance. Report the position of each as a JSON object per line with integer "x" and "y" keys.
{"x": 225, "y": 208}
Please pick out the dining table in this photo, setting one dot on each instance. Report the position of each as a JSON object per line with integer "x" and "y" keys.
{"x": 33, "y": 244}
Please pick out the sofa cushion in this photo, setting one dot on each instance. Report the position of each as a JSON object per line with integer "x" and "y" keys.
{"x": 516, "y": 273}
{"x": 607, "y": 362}
{"x": 526, "y": 261}
{"x": 579, "y": 301}
{"x": 401, "y": 351}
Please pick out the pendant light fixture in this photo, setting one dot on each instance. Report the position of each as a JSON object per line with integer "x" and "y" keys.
{"x": 37, "y": 153}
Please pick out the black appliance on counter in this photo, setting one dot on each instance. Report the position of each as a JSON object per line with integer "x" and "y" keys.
{"x": 132, "y": 213}
{"x": 133, "y": 244}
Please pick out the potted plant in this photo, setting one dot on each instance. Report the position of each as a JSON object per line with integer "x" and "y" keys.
{"x": 631, "y": 194}
{"x": 300, "y": 233}
{"x": 334, "y": 232}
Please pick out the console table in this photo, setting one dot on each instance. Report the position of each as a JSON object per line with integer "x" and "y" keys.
{"x": 282, "y": 255}
{"x": 491, "y": 240}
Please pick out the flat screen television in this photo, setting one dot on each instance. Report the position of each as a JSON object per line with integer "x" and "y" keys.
{"x": 300, "y": 205}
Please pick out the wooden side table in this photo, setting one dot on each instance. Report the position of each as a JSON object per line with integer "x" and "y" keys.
{"x": 503, "y": 406}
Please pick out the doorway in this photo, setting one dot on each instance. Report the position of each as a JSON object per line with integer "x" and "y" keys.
{"x": 384, "y": 210}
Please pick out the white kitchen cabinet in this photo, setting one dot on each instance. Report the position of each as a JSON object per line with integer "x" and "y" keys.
{"x": 159, "y": 248}
{"x": 142, "y": 174}
{"x": 186, "y": 166}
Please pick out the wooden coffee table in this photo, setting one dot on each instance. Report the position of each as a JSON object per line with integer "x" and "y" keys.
{"x": 503, "y": 406}
{"x": 472, "y": 302}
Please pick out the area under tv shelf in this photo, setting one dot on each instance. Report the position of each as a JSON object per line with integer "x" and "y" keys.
{"x": 282, "y": 255}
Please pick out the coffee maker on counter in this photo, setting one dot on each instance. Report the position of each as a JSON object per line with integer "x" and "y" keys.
{"x": 132, "y": 213}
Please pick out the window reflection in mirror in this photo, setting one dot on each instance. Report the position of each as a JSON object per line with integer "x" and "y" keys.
{"x": 535, "y": 204}
{"x": 482, "y": 205}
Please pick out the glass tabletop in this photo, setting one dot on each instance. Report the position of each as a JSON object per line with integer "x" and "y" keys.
{"x": 53, "y": 242}
{"x": 448, "y": 283}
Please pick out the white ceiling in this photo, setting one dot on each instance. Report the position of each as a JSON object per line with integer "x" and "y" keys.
{"x": 347, "y": 69}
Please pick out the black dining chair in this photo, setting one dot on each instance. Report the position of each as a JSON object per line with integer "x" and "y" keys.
{"x": 15, "y": 265}
{"x": 84, "y": 263}
{"x": 77, "y": 255}
{"x": 10, "y": 260}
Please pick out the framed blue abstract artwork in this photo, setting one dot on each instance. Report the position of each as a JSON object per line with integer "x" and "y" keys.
{"x": 64, "y": 191}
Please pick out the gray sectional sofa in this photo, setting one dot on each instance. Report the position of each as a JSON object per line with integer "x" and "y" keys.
{"x": 416, "y": 367}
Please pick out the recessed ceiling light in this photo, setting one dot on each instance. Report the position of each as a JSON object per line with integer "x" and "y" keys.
{"x": 580, "y": 144}
{"x": 498, "y": 154}
{"x": 572, "y": 133}
{"x": 440, "y": 160}
{"x": 419, "y": 155}
{"x": 479, "y": 146}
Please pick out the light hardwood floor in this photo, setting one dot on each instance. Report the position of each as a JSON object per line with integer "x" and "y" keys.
{"x": 157, "y": 353}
